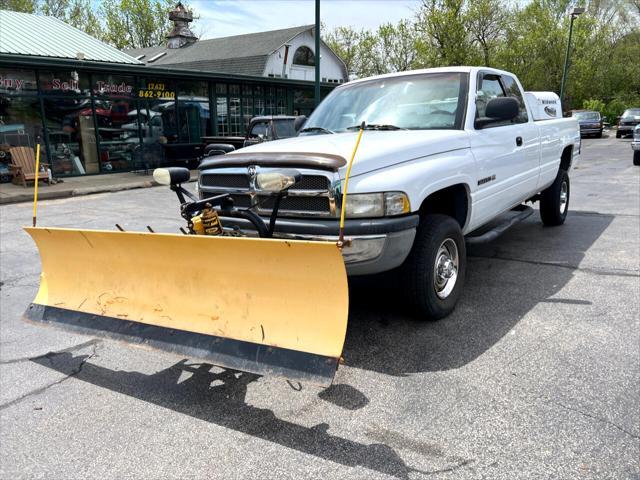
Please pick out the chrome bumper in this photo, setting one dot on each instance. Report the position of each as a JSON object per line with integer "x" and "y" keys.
{"x": 376, "y": 245}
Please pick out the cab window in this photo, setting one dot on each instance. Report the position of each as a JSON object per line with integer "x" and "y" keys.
{"x": 489, "y": 87}
{"x": 260, "y": 128}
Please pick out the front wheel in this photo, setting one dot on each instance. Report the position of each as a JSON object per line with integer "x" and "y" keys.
{"x": 636, "y": 157}
{"x": 554, "y": 200}
{"x": 618, "y": 134}
{"x": 434, "y": 271}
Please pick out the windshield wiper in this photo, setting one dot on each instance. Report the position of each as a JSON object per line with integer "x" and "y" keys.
{"x": 316, "y": 129}
{"x": 376, "y": 126}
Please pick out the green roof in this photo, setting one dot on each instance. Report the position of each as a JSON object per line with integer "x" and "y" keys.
{"x": 37, "y": 35}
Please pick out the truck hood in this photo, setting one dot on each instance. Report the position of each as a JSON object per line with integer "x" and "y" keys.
{"x": 378, "y": 149}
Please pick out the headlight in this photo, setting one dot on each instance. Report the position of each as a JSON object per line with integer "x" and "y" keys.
{"x": 361, "y": 205}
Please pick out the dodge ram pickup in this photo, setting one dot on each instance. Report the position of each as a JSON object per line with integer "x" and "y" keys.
{"x": 445, "y": 153}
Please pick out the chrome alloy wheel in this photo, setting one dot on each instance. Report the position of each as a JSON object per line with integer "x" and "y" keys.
{"x": 445, "y": 269}
{"x": 564, "y": 197}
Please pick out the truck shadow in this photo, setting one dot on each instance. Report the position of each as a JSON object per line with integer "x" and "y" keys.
{"x": 219, "y": 397}
{"x": 506, "y": 279}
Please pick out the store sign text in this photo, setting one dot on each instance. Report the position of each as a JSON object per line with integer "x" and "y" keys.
{"x": 11, "y": 83}
{"x": 156, "y": 90}
{"x": 104, "y": 87}
{"x": 57, "y": 84}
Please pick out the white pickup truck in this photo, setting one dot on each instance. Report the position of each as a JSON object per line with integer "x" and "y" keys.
{"x": 446, "y": 151}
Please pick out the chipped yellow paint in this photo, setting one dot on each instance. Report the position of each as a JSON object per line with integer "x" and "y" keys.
{"x": 290, "y": 294}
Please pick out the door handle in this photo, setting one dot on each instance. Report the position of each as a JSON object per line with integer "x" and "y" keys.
{"x": 519, "y": 141}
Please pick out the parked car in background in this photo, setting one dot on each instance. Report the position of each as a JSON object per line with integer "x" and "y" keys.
{"x": 626, "y": 123}
{"x": 260, "y": 129}
{"x": 635, "y": 145}
{"x": 591, "y": 123}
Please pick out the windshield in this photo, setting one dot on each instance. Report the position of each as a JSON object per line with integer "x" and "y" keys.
{"x": 416, "y": 102}
{"x": 632, "y": 112}
{"x": 590, "y": 116}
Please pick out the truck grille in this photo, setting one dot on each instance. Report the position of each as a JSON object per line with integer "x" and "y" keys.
{"x": 311, "y": 196}
{"x": 225, "y": 181}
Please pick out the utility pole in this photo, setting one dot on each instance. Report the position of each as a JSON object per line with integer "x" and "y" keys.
{"x": 574, "y": 14}
{"x": 317, "y": 55}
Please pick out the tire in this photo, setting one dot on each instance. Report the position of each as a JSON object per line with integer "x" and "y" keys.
{"x": 618, "y": 134}
{"x": 636, "y": 157}
{"x": 554, "y": 200}
{"x": 439, "y": 243}
{"x": 599, "y": 135}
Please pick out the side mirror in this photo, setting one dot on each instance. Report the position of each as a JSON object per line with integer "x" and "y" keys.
{"x": 171, "y": 175}
{"x": 499, "y": 109}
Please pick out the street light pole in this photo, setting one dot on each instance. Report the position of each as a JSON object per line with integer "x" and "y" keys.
{"x": 317, "y": 56}
{"x": 574, "y": 13}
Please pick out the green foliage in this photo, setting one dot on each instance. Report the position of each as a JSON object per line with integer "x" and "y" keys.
{"x": 136, "y": 23}
{"x": 526, "y": 38}
{"x": 122, "y": 23}
{"x": 24, "y": 6}
{"x": 593, "y": 104}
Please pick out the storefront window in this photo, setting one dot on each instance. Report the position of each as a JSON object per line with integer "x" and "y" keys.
{"x": 71, "y": 133}
{"x": 281, "y": 105}
{"x": 235, "y": 113}
{"x": 17, "y": 82}
{"x": 64, "y": 82}
{"x": 194, "y": 119}
{"x": 222, "y": 109}
{"x": 113, "y": 85}
{"x": 258, "y": 95}
{"x": 270, "y": 100}
{"x": 303, "y": 101}
{"x": 20, "y": 123}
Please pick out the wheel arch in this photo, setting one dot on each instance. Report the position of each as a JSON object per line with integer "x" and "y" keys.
{"x": 566, "y": 158}
{"x": 453, "y": 200}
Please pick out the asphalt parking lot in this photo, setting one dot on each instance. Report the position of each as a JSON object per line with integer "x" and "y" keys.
{"x": 535, "y": 375}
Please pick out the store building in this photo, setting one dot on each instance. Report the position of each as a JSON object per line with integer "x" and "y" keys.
{"x": 95, "y": 109}
{"x": 285, "y": 53}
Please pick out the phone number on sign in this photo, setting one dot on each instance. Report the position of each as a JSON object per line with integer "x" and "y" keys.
{"x": 155, "y": 94}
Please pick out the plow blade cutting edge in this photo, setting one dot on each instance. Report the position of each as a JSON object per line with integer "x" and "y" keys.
{"x": 266, "y": 306}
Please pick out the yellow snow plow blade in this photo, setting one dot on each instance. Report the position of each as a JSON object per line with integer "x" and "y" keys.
{"x": 260, "y": 305}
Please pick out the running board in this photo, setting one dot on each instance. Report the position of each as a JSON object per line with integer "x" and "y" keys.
{"x": 524, "y": 211}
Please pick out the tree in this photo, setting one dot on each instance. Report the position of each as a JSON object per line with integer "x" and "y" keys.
{"x": 487, "y": 21}
{"x": 24, "y": 6}
{"x": 344, "y": 42}
{"x": 77, "y": 13}
{"x": 446, "y": 40}
{"x": 136, "y": 23}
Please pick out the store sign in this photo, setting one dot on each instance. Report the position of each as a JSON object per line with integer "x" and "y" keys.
{"x": 105, "y": 87}
{"x": 156, "y": 90}
{"x": 11, "y": 83}
{"x": 65, "y": 85}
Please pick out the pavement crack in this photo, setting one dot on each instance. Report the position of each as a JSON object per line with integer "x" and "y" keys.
{"x": 40, "y": 390}
{"x": 599, "y": 419}
{"x": 595, "y": 271}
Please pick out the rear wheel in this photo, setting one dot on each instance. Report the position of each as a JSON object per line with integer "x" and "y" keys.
{"x": 599, "y": 134}
{"x": 434, "y": 271}
{"x": 636, "y": 157}
{"x": 618, "y": 134}
{"x": 554, "y": 200}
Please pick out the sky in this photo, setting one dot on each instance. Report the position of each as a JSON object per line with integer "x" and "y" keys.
{"x": 223, "y": 18}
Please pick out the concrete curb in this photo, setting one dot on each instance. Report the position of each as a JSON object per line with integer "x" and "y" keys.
{"x": 76, "y": 192}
